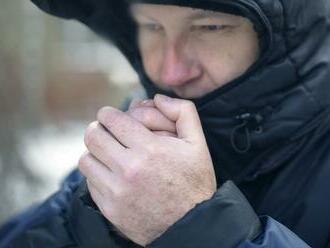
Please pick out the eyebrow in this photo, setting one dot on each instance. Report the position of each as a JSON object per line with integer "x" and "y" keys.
{"x": 197, "y": 14}
{"x": 204, "y": 14}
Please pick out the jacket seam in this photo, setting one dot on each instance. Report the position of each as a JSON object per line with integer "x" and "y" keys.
{"x": 285, "y": 38}
{"x": 296, "y": 70}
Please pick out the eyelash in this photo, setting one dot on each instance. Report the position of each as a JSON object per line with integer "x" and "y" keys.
{"x": 152, "y": 27}
{"x": 203, "y": 28}
{"x": 208, "y": 28}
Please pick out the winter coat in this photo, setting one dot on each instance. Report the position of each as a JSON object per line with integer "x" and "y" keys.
{"x": 268, "y": 132}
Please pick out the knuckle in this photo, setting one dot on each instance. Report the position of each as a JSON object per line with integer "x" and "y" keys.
{"x": 147, "y": 116}
{"x": 134, "y": 103}
{"x": 108, "y": 116}
{"x": 188, "y": 105}
{"x": 135, "y": 113}
{"x": 133, "y": 171}
{"x": 84, "y": 163}
{"x": 131, "y": 174}
{"x": 90, "y": 133}
{"x": 143, "y": 115}
{"x": 103, "y": 112}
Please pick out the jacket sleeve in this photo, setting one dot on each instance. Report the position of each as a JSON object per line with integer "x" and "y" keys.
{"x": 36, "y": 214}
{"x": 226, "y": 220}
{"x": 274, "y": 234}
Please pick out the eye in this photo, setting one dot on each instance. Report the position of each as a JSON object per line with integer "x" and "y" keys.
{"x": 209, "y": 28}
{"x": 152, "y": 27}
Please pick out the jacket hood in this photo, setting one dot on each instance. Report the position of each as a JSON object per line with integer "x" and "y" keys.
{"x": 283, "y": 96}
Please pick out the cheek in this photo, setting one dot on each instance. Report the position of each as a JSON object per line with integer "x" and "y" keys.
{"x": 151, "y": 56}
{"x": 228, "y": 58}
{"x": 150, "y": 66}
{"x": 218, "y": 61}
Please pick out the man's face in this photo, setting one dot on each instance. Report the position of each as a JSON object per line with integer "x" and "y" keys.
{"x": 192, "y": 51}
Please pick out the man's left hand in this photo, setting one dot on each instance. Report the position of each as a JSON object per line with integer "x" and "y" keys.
{"x": 142, "y": 182}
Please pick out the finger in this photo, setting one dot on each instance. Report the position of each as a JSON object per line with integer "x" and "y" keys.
{"x": 97, "y": 173}
{"x": 105, "y": 147}
{"x": 135, "y": 103}
{"x": 124, "y": 128}
{"x": 184, "y": 114}
{"x": 147, "y": 103}
{"x": 92, "y": 188}
{"x": 165, "y": 133}
{"x": 153, "y": 119}
{"x": 99, "y": 199}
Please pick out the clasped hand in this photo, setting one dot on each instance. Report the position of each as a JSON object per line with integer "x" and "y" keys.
{"x": 147, "y": 167}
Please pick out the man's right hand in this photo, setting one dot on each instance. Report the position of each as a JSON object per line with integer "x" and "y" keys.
{"x": 146, "y": 113}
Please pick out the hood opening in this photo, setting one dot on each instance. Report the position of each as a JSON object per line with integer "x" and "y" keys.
{"x": 245, "y": 8}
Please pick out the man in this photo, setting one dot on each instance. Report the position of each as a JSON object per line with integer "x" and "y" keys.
{"x": 244, "y": 96}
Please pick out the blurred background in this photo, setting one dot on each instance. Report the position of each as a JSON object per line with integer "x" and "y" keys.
{"x": 54, "y": 76}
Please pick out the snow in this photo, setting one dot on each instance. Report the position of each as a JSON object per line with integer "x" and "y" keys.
{"x": 51, "y": 153}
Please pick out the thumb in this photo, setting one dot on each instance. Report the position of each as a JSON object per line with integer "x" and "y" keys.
{"x": 184, "y": 114}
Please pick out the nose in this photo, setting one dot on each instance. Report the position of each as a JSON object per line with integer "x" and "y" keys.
{"x": 178, "y": 65}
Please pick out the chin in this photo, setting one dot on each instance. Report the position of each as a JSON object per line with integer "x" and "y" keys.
{"x": 190, "y": 94}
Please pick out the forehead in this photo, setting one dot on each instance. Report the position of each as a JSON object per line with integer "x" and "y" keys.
{"x": 159, "y": 10}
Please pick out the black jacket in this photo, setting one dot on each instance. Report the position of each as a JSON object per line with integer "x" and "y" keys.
{"x": 267, "y": 131}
